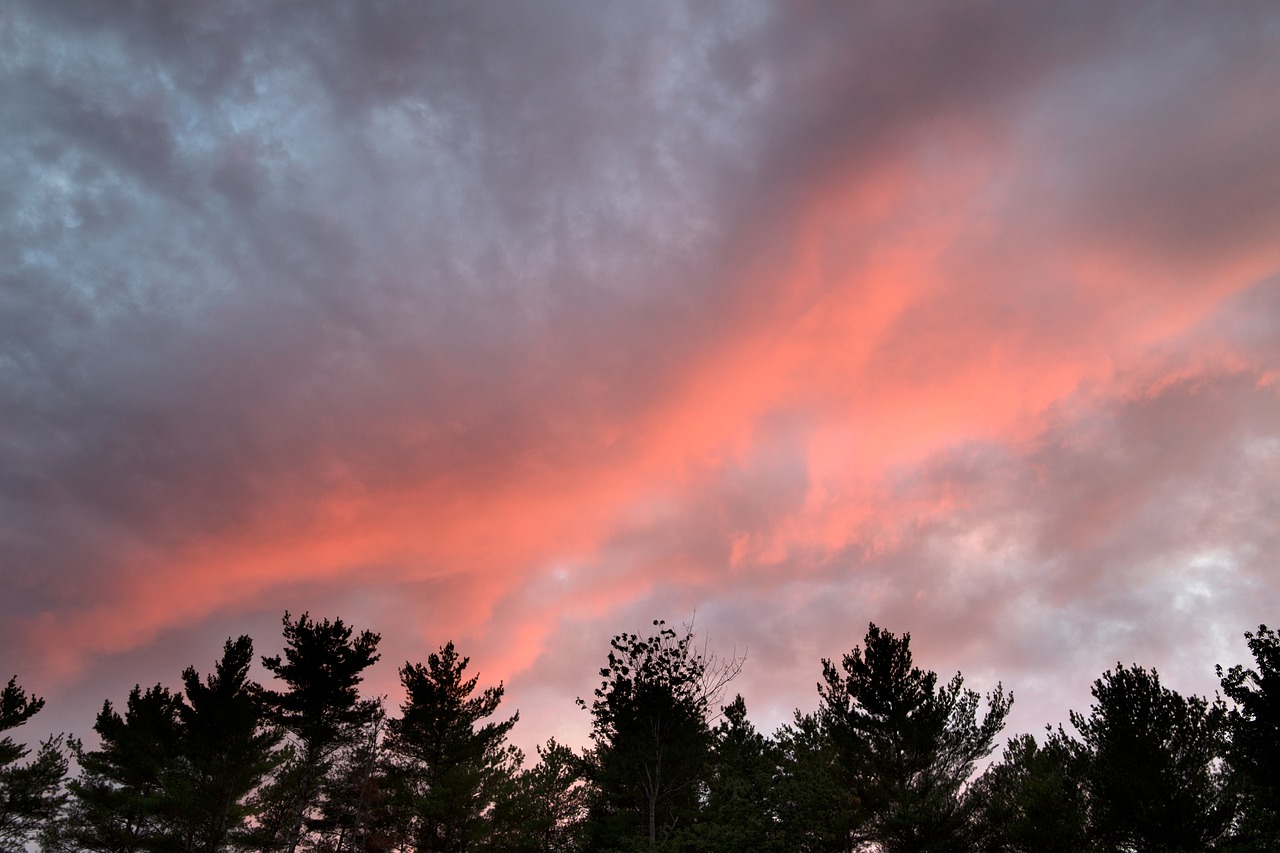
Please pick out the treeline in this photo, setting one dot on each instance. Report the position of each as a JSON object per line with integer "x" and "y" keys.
{"x": 886, "y": 762}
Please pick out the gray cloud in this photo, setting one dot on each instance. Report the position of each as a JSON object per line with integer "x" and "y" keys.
{"x": 281, "y": 273}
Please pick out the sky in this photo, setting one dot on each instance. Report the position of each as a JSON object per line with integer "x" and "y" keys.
{"x": 524, "y": 324}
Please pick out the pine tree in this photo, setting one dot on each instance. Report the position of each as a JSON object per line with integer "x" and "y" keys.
{"x": 31, "y": 794}
{"x": 740, "y": 812}
{"x": 544, "y": 809}
{"x": 1148, "y": 758}
{"x": 450, "y": 766}
{"x": 1032, "y": 799}
{"x": 810, "y": 801}
{"x": 121, "y": 802}
{"x": 321, "y": 711}
{"x": 226, "y": 750}
{"x": 908, "y": 745}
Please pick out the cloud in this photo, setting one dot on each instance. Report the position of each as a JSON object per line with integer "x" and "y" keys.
{"x": 520, "y": 327}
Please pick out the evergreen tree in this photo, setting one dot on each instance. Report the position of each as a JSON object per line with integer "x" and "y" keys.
{"x": 226, "y": 750}
{"x": 1148, "y": 760}
{"x": 1032, "y": 800}
{"x": 355, "y": 813}
{"x": 810, "y": 800}
{"x": 450, "y": 765}
{"x": 321, "y": 710}
{"x": 121, "y": 803}
{"x": 908, "y": 746}
{"x": 544, "y": 809}
{"x": 1254, "y": 746}
{"x": 740, "y": 812}
{"x": 31, "y": 794}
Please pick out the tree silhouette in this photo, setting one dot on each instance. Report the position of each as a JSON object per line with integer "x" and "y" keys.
{"x": 1148, "y": 761}
{"x": 1032, "y": 800}
{"x": 651, "y": 735}
{"x": 547, "y": 804}
{"x": 740, "y": 812}
{"x": 810, "y": 801}
{"x": 451, "y": 765}
{"x": 907, "y": 745}
{"x": 1254, "y": 750}
{"x": 31, "y": 795}
{"x": 322, "y": 667}
{"x": 226, "y": 750}
{"x": 121, "y": 800}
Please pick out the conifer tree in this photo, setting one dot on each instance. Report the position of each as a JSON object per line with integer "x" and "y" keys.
{"x": 546, "y": 805}
{"x": 1033, "y": 800}
{"x": 226, "y": 749}
{"x": 321, "y": 711}
{"x": 31, "y": 794}
{"x": 908, "y": 745}
{"x": 450, "y": 764}
{"x": 121, "y": 802}
{"x": 1148, "y": 759}
{"x": 810, "y": 801}
{"x": 740, "y": 812}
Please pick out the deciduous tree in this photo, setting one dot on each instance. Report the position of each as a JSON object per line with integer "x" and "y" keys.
{"x": 1254, "y": 747}
{"x": 652, "y": 737}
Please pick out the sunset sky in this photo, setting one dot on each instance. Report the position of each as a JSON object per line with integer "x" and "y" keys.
{"x": 524, "y": 324}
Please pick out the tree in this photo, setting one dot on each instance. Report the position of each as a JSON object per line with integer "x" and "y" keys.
{"x": 547, "y": 804}
{"x": 321, "y": 711}
{"x": 451, "y": 765}
{"x": 811, "y": 804}
{"x": 356, "y": 814}
{"x": 907, "y": 745}
{"x": 1148, "y": 759}
{"x": 1253, "y": 751}
{"x": 226, "y": 750}
{"x": 740, "y": 812}
{"x": 652, "y": 738}
{"x": 121, "y": 802}
{"x": 31, "y": 795}
{"x": 1032, "y": 800}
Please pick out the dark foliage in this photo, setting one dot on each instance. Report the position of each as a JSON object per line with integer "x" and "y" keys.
{"x": 907, "y": 745}
{"x": 652, "y": 740}
{"x": 1148, "y": 762}
{"x": 451, "y": 768}
{"x": 886, "y": 763}
{"x": 321, "y": 709}
{"x": 31, "y": 793}
{"x": 1032, "y": 801}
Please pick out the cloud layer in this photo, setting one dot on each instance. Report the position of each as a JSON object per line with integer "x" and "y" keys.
{"x": 523, "y": 326}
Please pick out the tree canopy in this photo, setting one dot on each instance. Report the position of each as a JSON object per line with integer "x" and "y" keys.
{"x": 888, "y": 761}
{"x": 908, "y": 745}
